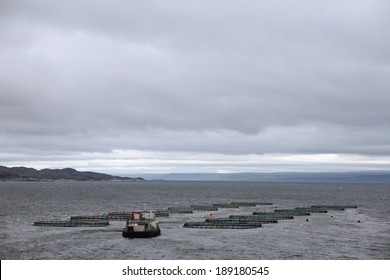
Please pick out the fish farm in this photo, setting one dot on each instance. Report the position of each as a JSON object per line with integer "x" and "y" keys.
{"x": 233, "y": 221}
{"x": 259, "y": 218}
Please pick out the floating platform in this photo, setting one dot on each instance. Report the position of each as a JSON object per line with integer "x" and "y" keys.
{"x": 234, "y": 221}
{"x": 264, "y": 203}
{"x": 293, "y": 212}
{"x": 241, "y": 221}
{"x": 161, "y": 214}
{"x": 220, "y": 225}
{"x": 312, "y": 209}
{"x": 334, "y": 207}
{"x": 89, "y": 218}
{"x": 73, "y": 223}
{"x": 265, "y": 219}
{"x": 180, "y": 210}
{"x": 243, "y": 203}
{"x": 279, "y": 216}
{"x": 261, "y": 217}
{"x": 116, "y": 216}
{"x": 204, "y": 208}
{"x": 119, "y": 216}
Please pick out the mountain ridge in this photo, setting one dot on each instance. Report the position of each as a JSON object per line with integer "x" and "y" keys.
{"x": 22, "y": 173}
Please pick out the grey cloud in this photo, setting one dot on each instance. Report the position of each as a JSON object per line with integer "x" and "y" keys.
{"x": 206, "y": 76}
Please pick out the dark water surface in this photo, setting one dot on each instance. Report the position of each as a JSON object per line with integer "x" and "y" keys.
{"x": 323, "y": 237}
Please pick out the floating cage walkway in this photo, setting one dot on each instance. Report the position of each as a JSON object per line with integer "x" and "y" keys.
{"x": 180, "y": 210}
{"x": 89, "y": 218}
{"x": 73, "y": 223}
{"x": 237, "y": 204}
{"x": 293, "y": 212}
{"x": 243, "y": 221}
{"x": 123, "y": 216}
{"x": 264, "y": 203}
{"x": 207, "y": 225}
{"x": 161, "y": 213}
{"x": 245, "y": 204}
{"x": 119, "y": 216}
{"x": 204, "y": 208}
{"x": 115, "y": 216}
{"x": 250, "y": 204}
{"x": 262, "y": 217}
{"x": 279, "y": 216}
{"x": 334, "y": 207}
{"x": 312, "y": 209}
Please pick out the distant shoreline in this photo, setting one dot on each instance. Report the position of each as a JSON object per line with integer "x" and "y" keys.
{"x": 65, "y": 174}
{"x": 342, "y": 177}
{"x": 70, "y": 180}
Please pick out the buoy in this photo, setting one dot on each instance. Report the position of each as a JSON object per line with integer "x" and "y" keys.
{"x": 307, "y": 220}
{"x": 358, "y": 221}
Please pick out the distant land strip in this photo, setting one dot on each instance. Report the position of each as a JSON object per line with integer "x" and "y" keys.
{"x": 382, "y": 176}
{"x": 31, "y": 174}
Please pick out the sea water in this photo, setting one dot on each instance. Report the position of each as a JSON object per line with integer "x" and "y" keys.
{"x": 362, "y": 233}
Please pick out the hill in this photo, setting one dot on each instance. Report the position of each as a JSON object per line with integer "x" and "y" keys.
{"x": 31, "y": 174}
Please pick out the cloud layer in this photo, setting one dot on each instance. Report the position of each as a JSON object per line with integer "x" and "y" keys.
{"x": 218, "y": 77}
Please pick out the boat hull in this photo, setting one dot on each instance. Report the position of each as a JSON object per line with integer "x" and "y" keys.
{"x": 143, "y": 234}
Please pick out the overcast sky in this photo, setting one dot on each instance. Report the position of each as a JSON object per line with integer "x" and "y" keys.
{"x": 195, "y": 86}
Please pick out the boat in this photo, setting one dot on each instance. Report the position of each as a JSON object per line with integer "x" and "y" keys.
{"x": 141, "y": 225}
